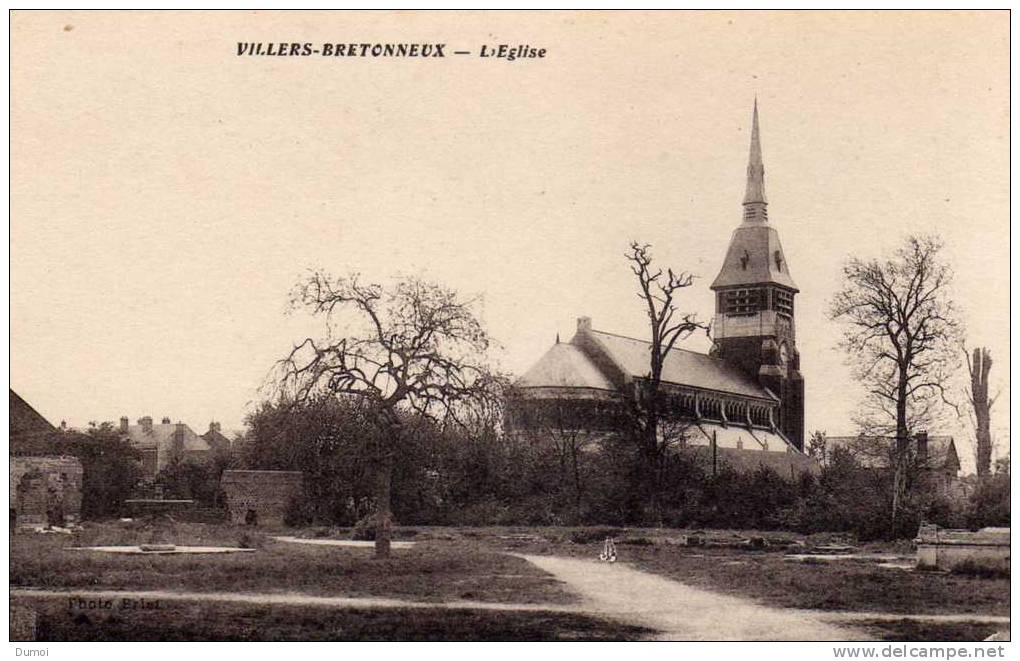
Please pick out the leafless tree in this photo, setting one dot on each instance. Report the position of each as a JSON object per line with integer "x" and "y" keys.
{"x": 659, "y": 291}
{"x": 900, "y": 335}
{"x": 978, "y": 368}
{"x": 415, "y": 347}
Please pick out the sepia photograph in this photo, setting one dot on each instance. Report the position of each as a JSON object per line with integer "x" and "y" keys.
{"x": 507, "y": 326}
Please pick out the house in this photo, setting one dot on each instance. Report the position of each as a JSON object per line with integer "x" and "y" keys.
{"x": 162, "y": 443}
{"x": 936, "y": 455}
{"x": 215, "y": 438}
{"x": 746, "y": 395}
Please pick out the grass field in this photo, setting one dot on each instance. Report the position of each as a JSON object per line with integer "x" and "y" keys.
{"x": 433, "y": 570}
{"x": 234, "y": 622}
{"x": 454, "y": 564}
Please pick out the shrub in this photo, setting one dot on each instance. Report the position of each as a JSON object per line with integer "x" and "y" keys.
{"x": 982, "y": 570}
{"x": 364, "y": 530}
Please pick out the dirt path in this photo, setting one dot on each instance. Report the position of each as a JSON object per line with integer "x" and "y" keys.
{"x": 681, "y": 612}
{"x": 677, "y": 611}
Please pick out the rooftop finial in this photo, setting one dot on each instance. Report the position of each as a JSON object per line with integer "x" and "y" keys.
{"x": 755, "y": 193}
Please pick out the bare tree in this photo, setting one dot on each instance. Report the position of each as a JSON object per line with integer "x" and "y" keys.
{"x": 979, "y": 367}
{"x": 416, "y": 347}
{"x": 659, "y": 291}
{"x": 900, "y": 335}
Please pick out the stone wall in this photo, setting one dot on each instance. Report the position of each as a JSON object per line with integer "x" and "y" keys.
{"x": 260, "y": 497}
{"x": 947, "y": 549}
{"x": 44, "y": 490}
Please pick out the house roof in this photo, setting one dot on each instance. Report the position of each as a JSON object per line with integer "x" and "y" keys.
{"x": 216, "y": 440}
{"x": 874, "y": 451}
{"x": 24, "y": 418}
{"x": 681, "y": 367}
{"x": 565, "y": 366}
{"x": 162, "y": 434}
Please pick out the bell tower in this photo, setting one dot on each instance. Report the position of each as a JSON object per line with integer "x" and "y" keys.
{"x": 754, "y": 326}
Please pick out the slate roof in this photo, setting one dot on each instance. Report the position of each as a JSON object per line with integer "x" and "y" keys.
{"x": 216, "y": 440}
{"x": 24, "y": 419}
{"x": 758, "y": 243}
{"x": 161, "y": 436}
{"x": 597, "y": 361}
{"x": 785, "y": 464}
{"x": 726, "y": 437}
{"x": 565, "y": 366}
{"x": 681, "y": 367}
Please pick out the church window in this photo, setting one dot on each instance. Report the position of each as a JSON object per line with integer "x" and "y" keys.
{"x": 742, "y": 301}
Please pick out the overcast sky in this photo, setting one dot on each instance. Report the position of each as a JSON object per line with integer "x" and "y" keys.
{"x": 166, "y": 193}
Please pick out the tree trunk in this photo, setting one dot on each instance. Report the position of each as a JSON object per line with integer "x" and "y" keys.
{"x": 901, "y": 448}
{"x": 979, "y": 368}
{"x": 650, "y": 460}
{"x": 577, "y": 476}
{"x": 389, "y": 439}
{"x": 383, "y": 513}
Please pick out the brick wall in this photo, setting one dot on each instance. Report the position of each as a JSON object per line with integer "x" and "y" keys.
{"x": 41, "y": 484}
{"x": 264, "y": 494}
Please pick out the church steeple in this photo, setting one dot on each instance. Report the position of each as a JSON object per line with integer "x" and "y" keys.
{"x": 755, "y": 256}
{"x": 754, "y": 196}
{"x": 754, "y": 328}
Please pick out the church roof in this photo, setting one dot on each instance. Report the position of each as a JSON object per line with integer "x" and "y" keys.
{"x": 681, "y": 367}
{"x": 565, "y": 366}
{"x": 755, "y": 256}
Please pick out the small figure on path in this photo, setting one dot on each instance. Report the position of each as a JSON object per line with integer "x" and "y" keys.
{"x": 608, "y": 551}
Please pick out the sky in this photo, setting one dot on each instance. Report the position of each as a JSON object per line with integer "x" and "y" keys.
{"x": 166, "y": 193}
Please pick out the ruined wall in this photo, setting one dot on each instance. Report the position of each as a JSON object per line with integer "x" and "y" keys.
{"x": 264, "y": 495}
{"x": 43, "y": 489}
{"x": 947, "y": 549}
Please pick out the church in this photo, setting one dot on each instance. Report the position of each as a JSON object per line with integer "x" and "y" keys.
{"x": 745, "y": 396}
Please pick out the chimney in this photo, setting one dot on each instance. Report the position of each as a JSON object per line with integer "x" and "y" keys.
{"x": 214, "y": 426}
{"x": 146, "y": 424}
{"x": 123, "y": 424}
{"x": 178, "y": 439}
{"x": 922, "y": 446}
{"x": 584, "y": 323}
{"x": 166, "y": 420}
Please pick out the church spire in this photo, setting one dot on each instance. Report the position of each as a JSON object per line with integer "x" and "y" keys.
{"x": 754, "y": 196}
